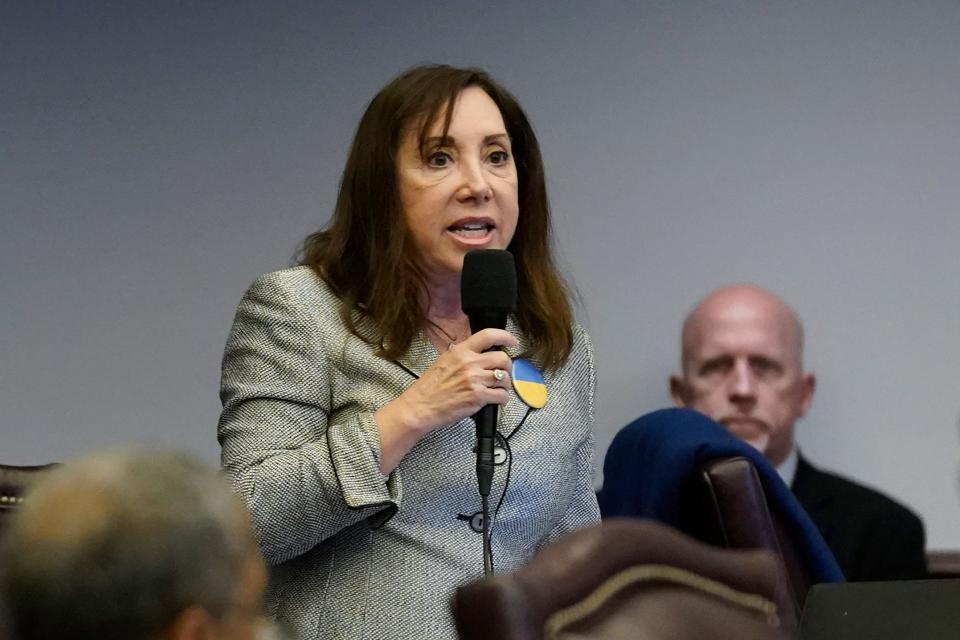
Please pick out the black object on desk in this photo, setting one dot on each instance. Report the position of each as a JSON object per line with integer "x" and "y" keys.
{"x": 898, "y": 610}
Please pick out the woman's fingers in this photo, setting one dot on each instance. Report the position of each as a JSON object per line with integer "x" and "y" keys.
{"x": 494, "y": 395}
{"x": 487, "y": 339}
{"x": 463, "y": 379}
{"x": 495, "y": 361}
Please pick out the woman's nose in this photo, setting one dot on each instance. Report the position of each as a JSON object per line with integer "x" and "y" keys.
{"x": 475, "y": 185}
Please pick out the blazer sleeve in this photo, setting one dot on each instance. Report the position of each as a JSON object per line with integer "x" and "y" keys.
{"x": 303, "y": 478}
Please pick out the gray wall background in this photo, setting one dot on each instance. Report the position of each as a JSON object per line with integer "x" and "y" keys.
{"x": 156, "y": 157}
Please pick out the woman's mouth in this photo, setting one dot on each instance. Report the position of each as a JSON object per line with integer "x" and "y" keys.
{"x": 472, "y": 228}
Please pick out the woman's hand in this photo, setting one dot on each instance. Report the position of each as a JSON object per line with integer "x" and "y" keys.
{"x": 461, "y": 381}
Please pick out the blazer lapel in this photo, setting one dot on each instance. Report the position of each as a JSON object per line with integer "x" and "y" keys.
{"x": 513, "y": 412}
{"x": 420, "y": 356}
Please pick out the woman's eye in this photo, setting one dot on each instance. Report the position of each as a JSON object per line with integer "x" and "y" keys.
{"x": 499, "y": 157}
{"x": 439, "y": 159}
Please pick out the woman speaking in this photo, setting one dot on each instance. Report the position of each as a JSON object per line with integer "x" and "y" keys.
{"x": 349, "y": 381}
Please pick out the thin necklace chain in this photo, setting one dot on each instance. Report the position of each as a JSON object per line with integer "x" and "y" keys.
{"x": 452, "y": 339}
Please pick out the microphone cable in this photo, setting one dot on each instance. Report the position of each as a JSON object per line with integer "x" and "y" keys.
{"x": 488, "y": 526}
{"x": 487, "y": 551}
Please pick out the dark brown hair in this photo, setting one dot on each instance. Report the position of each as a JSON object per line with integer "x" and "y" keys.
{"x": 366, "y": 255}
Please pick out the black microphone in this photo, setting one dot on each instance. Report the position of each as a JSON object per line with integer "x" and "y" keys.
{"x": 488, "y": 293}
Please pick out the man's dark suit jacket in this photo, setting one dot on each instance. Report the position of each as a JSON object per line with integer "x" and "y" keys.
{"x": 872, "y": 537}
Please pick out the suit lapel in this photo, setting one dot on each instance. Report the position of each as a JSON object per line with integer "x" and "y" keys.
{"x": 808, "y": 486}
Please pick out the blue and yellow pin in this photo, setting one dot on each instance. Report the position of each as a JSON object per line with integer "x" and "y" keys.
{"x": 529, "y": 384}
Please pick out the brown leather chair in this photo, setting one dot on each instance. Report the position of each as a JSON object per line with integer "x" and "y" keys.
{"x": 15, "y": 482}
{"x": 629, "y": 578}
{"x": 732, "y": 511}
{"x": 943, "y": 564}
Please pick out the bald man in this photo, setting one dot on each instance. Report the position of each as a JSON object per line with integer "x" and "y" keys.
{"x": 742, "y": 365}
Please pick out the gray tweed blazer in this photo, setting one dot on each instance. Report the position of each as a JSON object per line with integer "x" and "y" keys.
{"x": 353, "y": 554}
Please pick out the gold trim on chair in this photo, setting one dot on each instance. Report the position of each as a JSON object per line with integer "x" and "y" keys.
{"x": 656, "y": 573}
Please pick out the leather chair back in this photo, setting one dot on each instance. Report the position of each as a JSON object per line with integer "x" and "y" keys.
{"x": 629, "y": 578}
{"x": 15, "y": 482}
{"x": 735, "y": 514}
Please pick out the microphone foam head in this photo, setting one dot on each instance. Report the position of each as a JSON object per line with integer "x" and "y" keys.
{"x": 488, "y": 283}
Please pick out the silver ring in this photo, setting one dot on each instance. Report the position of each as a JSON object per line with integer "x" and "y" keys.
{"x": 499, "y": 374}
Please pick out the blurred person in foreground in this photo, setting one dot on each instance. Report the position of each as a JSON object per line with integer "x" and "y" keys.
{"x": 742, "y": 365}
{"x": 349, "y": 382}
{"x": 135, "y": 545}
